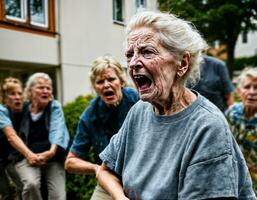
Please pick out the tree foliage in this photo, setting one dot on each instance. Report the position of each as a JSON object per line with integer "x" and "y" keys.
{"x": 78, "y": 186}
{"x": 217, "y": 20}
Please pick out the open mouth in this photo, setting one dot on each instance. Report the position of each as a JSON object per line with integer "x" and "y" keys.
{"x": 17, "y": 104}
{"x": 108, "y": 93}
{"x": 142, "y": 81}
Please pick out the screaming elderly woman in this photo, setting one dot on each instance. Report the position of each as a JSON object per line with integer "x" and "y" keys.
{"x": 174, "y": 143}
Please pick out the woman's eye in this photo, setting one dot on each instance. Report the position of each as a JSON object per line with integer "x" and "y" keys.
{"x": 111, "y": 79}
{"x": 99, "y": 82}
{"x": 129, "y": 55}
{"x": 147, "y": 53}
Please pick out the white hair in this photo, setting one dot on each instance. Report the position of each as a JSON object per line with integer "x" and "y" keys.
{"x": 248, "y": 71}
{"x": 33, "y": 79}
{"x": 176, "y": 35}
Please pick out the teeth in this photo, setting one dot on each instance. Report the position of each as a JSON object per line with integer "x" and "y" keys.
{"x": 138, "y": 76}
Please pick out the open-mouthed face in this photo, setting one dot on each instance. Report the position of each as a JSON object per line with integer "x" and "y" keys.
{"x": 151, "y": 66}
{"x": 248, "y": 92}
{"x": 109, "y": 87}
{"x": 14, "y": 99}
{"x": 41, "y": 92}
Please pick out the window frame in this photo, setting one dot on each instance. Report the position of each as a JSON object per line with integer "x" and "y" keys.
{"x": 114, "y": 12}
{"x": 28, "y": 25}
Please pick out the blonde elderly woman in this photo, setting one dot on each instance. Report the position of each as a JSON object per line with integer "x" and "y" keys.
{"x": 11, "y": 94}
{"x": 44, "y": 132}
{"x": 174, "y": 143}
{"x": 242, "y": 118}
{"x": 102, "y": 118}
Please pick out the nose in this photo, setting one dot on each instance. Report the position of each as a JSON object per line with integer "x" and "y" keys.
{"x": 18, "y": 96}
{"x": 135, "y": 62}
{"x": 106, "y": 83}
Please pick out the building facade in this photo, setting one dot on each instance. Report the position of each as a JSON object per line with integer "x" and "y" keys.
{"x": 62, "y": 38}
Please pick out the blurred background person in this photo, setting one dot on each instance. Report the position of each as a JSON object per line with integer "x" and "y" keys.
{"x": 102, "y": 119}
{"x": 215, "y": 83}
{"x": 242, "y": 118}
{"x": 44, "y": 136}
{"x": 11, "y": 94}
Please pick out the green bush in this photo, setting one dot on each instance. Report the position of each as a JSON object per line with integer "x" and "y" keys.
{"x": 79, "y": 187}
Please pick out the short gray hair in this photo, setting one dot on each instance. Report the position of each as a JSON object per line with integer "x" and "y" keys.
{"x": 248, "y": 71}
{"x": 32, "y": 80}
{"x": 176, "y": 35}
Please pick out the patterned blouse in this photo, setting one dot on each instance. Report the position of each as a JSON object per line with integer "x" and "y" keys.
{"x": 245, "y": 132}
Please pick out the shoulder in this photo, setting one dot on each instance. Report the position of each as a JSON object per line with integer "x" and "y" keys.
{"x": 214, "y": 61}
{"x": 90, "y": 111}
{"x": 130, "y": 94}
{"x": 3, "y": 108}
{"x": 55, "y": 104}
{"x": 140, "y": 110}
{"x": 235, "y": 111}
{"x": 209, "y": 114}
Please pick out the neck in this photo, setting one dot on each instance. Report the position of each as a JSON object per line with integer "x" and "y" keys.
{"x": 250, "y": 111}
{"x": 36, "y": 108}
{"x": 178, "y": 101}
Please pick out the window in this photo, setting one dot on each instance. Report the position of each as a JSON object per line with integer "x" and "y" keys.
{"x": 140, "y": 4}
{"x": 118, "y": 10}
{"x": 244, "y": 37}
{"x": 28, "y": 14}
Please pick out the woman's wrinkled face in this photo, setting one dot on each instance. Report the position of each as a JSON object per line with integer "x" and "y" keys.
{"x": 14, "y": 99}
{"x": 151, "y": 66}
{"x": 41, "y": 92}
{"x": 248, "y": 92}
{"x": 109, "y": 87}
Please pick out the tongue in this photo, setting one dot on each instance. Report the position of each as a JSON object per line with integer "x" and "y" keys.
{"x": 145, "y": 86}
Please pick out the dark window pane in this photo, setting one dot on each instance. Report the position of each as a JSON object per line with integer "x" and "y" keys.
{"x": 38, "y": 9}
{"x": 117, "y": 10}
{"x": 14, "y": 9}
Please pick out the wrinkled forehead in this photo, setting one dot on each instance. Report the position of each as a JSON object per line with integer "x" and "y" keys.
{"x": 14, "y": 88}
{"x": 109, "y": 71}
{"x": 142, "y": 36}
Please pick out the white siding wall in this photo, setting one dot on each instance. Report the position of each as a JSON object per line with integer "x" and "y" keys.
{"x": 246, "y": 49}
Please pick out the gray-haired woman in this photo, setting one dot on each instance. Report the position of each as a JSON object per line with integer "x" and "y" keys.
{"x": 242, "y": 118}
{"x": 174, "y": 144}
{"x": 44, "y": 131}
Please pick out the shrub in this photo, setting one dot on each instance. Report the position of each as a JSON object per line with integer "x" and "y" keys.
{"x": 78, "y": 186}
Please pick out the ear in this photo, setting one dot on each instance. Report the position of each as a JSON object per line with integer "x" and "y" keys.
{"x": 184, "y": 64}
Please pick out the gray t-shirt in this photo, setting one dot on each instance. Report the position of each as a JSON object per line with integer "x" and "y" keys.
{"x": 189, "y": 155}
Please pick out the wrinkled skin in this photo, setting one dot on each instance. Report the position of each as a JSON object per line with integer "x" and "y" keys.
{"x": 14, "y": 99}
{"x": 41, "y": 95}
{"x": 109, "y": 87}
{"x": 248, "y": 94}
{"x": 156, "y": 72}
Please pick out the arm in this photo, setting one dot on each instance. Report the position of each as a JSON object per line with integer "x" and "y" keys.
{"x": 110, "y": 183}
{"x": 19, "y": 145}
{"x": 47, "y": 155}
{"x": 74, "y": 164}
{"x": 58, "y": 132}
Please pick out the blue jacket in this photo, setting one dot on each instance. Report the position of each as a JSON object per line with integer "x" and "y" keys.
{"x": 98, "y": 123}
